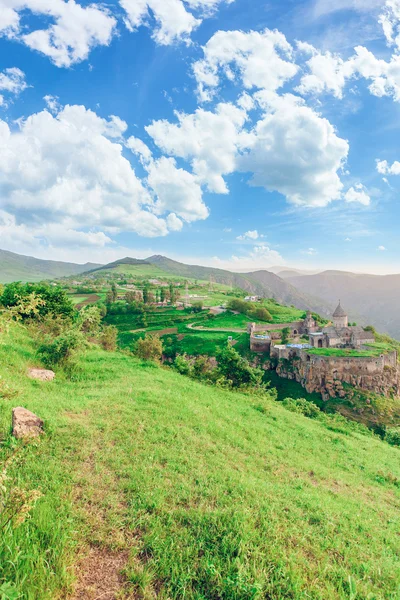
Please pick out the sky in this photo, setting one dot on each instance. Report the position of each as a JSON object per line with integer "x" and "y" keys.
{"x": 241, "y": 134}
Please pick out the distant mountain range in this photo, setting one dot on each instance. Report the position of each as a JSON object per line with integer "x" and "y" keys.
{"x": 16, "y": 267}
{"x": 369, "y": 299}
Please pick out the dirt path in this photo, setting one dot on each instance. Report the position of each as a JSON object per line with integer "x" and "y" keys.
{"x": 216, "y": 329}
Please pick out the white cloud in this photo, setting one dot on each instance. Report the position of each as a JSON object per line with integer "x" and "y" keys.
{"x": 390, "y": 21}
{"x": 327, "y": 73}
{"x": 260, "y": 257}
{"x": 359, "y": 194}
{"x": 227, "y": 229}
{"x": 381, "y": 248}
{"x": 12, "y": 81}
{"x": 249, "y": 235}
{"x": 69, "y": 170}
{"x": 310, "y": 251}
{"x": 52, "y": 103}
{"x": 326, "y": 7}
{"x": 176, "y": 190}
{"x": 76, "y": 29}
{"x": 258, "y": 60}
{"x": 175, "y": 19}
{"x": 208, "y": 140}
{"x": 294, "y": 151}
{"x": 384, "y": 168}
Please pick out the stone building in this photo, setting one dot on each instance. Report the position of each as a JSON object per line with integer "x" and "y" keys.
{"x": 340, "y": 334}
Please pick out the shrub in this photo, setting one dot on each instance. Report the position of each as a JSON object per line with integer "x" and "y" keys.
{"x": 53, "y": 300}
{"x": 183, "y": 365}
{"x": 285, "y": 335}
{"x": 149, "y": 348}
{"x": 392, "y": 436}
{"x": 260, "y": 313}
{"x": 302, "y": 406}
{"x": 237, "y": 370}
{"x": 90, "y": 319}
{"x": 108, "y": 338}
{"x": 63, "y": 349}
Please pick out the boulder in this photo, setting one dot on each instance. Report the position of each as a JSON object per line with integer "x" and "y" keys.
{"x": 41, "y": 374}
{"x": 26, "y": 424}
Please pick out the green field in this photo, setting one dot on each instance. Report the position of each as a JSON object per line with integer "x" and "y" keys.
{"x": 224, "y": 321}
{"x": 283, "y": 314}
{"x": 191, "y": 491}
{"x": 342, "y": 352}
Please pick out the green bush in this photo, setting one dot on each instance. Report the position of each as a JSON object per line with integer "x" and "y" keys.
{"x": 392, "y": 436}
{"x": 237, "y": 370}
{"x": 149, "y": 348}
{"x": 108, "y": 338}
{"x": 302, "y": 406}
{"x": 54, "y": 299}
{"x": 63, "y": 349}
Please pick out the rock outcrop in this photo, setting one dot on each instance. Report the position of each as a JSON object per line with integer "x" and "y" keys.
{"x": 41, "y": 374}
{"x": 26, "y": 424}
{"x": 328, "y": 376}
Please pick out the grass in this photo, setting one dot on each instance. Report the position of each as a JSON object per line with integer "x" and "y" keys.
{"x": 224, "y": 321}
{"x": 283, "y": 314}
{"x": 210, "y": 494}
{"x": 343, "y": 352}
{"x": 207, "y": 342}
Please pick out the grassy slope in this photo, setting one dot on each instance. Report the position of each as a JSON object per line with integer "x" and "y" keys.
{"x": 213, "y": 497}
{"x": 15, "y": 267}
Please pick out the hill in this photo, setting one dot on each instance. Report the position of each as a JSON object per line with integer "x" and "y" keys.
{"x": 16, "y": 267}
{"x": 262, "y": 283}
{"x": 189, "y": 491}
{"x": 369, "y": 299}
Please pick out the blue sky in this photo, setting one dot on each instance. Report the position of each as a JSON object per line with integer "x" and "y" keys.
{"x": 234, "y": 133}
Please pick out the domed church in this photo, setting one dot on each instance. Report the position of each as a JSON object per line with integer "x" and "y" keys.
{"x": 340, "y": 334}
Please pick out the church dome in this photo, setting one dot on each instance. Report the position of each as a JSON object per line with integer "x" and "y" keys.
{"x": 339, "y": 312}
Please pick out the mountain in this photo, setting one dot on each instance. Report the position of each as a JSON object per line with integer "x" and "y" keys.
{"x": 16, "y": 267}
{"x": 261, "y": 283}
{"x": 367, "y": 298}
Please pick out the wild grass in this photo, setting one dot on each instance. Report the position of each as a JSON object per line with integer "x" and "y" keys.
{"x": 343, "y": 352}
{"x": 212, "y": 494}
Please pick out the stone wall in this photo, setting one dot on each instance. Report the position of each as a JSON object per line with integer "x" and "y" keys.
{"x": 327, "y": 374}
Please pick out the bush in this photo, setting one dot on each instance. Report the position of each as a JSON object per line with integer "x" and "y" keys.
{"x": 63, "y": 349}
{"x": 149, "y": 348}
{"x": 108, "y": 338}
{"x": 237, "y": 370}
{"x": 260, "y": 313}
{"x": 90, "y": 319}
{"x": 392, "y": 436}
{"x": 302, "y": 406}
{"x": 183, "y": 365}
{"x": 54, "y": 300}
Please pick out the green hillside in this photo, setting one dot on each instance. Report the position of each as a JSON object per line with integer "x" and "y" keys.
{"x": 168, "y": 488}
{"x": 16, "y": 267}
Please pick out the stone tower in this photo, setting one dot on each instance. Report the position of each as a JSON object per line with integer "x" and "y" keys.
{"x": 340, "y": 318}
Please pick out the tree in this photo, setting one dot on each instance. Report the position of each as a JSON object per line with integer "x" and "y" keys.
{"x": 52, "y": 299}
{"x": 197, "y": 306}
{"x": 130, "y": 297}
{"x": 162, "y": 295}
{"x": 172, "y": 293}
{"x": 146, "y": 294}
{"x": 236, "y": 369}
{"x": 108, "y": 338}
{"x": 109, "y": 297}
{"x": 285, "y": 335}
{"x": 260, "y": 313}
{"x": 149, "y": 348}
{"x": 114, "y": 291}
{"x": 90, "y": 319}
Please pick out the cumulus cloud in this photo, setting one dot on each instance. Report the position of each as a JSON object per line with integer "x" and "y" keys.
{"x": 12, "y": 81}
{"x": 381, "y": 248}
{"x": 176, "y": 190}
{"x": 261, "y": 257}
{"x": 174, "y": 20}
{"x": 358, "y": 194}
{"x": 249, "y": 235}
{"x": 209, "y": 140}
{"x": 69, "y": 170}
{"x": 384, "y": 168}
{"x": 390, "y": 21}
{"x": 294, "y": 151}
{"x": 260, "y": 60}
{"x": 74, "y": 31}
